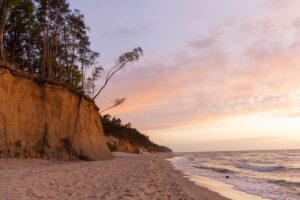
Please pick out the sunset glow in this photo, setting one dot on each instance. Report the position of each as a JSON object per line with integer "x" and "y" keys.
{"x": 216, "y": 75}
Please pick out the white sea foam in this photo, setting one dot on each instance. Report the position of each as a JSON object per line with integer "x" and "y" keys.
{"x": 259, "y": 173}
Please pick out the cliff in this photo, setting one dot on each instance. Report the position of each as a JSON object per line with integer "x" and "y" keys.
{"x": 122, "y": 145}
{"x": 124, "y": 138}
{"x": 40, "y": 119}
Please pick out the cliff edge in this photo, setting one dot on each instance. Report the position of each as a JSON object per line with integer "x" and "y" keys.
{"x": 40, "y": 119}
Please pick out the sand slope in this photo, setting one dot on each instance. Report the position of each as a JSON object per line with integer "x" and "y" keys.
{"x": 125, "y": 177}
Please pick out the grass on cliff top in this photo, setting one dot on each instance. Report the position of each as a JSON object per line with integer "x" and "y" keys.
{"x": 114, "y": 127}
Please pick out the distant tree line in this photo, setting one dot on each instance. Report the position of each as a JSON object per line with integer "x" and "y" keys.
{"x": 48, "y": 40}
{"x": 114, "y": 127}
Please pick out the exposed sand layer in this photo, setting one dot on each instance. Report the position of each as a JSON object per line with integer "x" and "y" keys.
{"x": 125, "y": 177}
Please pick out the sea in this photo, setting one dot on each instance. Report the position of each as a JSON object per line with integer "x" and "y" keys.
{"x": 271, "y": 175}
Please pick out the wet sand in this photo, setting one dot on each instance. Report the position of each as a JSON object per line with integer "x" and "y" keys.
{"x": 124, "y": 177}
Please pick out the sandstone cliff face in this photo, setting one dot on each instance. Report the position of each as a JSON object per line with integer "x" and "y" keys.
{"x": 46, "y": 120}
{"x": 125, "y": 146}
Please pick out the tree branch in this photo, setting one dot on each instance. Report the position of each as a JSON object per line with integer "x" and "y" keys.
{"x": 117, "y": 103}
{"x": 124, "y": 59}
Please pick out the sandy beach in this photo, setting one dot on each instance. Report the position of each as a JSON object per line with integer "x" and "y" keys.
{"x": 124, "y": 177}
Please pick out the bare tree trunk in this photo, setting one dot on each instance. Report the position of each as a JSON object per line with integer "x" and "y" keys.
{"x": 4, "y": 16}
{"x": 66, "y": 51}
{"x": 82, "y": 73}
{"x": 44, "y": 50}
{"x": 56, "y": 49}
{"x": 59, "y": 69}
{"x": 110, "y": 74}
{"x": 73, "y": 62}
{"x": 2, "y": 57}
{"x": 13, "y": 50}
{"x": 48, "y": 53}
{"x": 29, "y": 51}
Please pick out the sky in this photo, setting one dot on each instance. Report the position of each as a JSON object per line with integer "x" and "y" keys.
{"x": 217, "y": 75}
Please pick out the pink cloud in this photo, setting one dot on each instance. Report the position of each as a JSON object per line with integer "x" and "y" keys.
{"x": 203, "y": 80}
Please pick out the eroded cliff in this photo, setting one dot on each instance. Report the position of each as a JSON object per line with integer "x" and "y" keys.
{"x": 39, "y": 119}
{"x": 124, "y": 138}
{"x": 121, "y": 145}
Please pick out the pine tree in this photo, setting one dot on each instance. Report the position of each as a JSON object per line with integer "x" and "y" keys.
{"x": 48, "y": 40}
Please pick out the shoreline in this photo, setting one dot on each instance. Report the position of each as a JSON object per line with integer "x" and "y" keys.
{"x": 224, "y": 189}
{"x": 126, "y": 176}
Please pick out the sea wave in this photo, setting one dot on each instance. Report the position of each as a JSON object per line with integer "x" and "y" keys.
{"x": 272, "y": 175}
{"x": 285, "y": 183}
{"x": 258, "y": 168}
{"x": 216, "y": 169}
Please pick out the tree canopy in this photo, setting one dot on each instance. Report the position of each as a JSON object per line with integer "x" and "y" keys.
{"x": 49, "y": 40}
